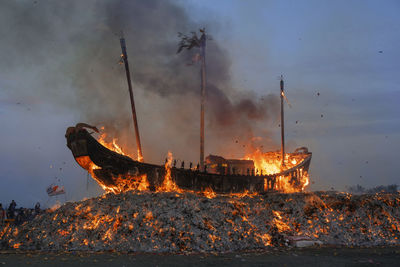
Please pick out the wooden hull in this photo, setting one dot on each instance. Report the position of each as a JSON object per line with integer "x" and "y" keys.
{"x": 111, "y": 168}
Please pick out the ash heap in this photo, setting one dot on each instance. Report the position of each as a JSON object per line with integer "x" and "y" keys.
{"x": 189, "y": 222}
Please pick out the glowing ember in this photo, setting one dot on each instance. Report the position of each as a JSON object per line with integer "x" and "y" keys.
{"x": 187, "y": 222}
{"x": 246, "y": 193}
{"x": 17, "y": 245}
{"x": 280, "y": 224}
{"x": 209, "y": 193}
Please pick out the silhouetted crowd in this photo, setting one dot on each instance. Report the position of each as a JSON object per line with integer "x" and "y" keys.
{"x": 18, "y": 216}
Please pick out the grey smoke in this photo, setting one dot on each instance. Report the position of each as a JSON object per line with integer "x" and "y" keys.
{"x": 69, "y": 51}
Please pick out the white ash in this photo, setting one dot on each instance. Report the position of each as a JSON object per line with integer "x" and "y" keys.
{"x": 173, "y": 222}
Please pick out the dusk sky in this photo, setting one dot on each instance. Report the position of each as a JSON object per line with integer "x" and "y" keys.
{"x": 58, "y": 66}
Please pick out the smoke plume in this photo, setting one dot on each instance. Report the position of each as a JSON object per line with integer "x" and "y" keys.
{"x": 68, "y": 53}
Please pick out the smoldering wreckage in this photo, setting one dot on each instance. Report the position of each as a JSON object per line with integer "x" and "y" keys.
{"x": 189, "y": 222}
{"x": 220, "y": 205}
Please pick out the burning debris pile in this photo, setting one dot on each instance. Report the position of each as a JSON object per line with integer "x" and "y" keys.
{"x": 188, "y": 222}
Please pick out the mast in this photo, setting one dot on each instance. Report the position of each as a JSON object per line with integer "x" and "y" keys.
{"x": 203, "y": 93}
{"x": 188, "y": 43}
{"x": 128, "y": 76}
{"x": 282, "y": 124}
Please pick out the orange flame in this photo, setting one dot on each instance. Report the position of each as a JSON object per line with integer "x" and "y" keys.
{"x": 122, "y": 183}
{"x": 168, "y": 184}
{"x": 209, "y": 193}
{"x": 113, "y": 146}
{"x": 271, "y": 163}
{"x": 278, "y": 221}
{"x": 246, "y": 193}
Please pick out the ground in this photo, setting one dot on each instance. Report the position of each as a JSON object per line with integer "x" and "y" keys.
{"x": 325, "y": 256}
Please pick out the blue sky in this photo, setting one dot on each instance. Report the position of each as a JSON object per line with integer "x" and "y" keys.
{"x": 347, "y": 51}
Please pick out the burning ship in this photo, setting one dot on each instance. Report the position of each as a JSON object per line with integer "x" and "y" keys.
{"x": 258, "y": 173}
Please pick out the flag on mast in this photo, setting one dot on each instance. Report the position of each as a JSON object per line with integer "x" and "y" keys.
{"x": 193, "y": 41}
{"x": 188, "y": 43}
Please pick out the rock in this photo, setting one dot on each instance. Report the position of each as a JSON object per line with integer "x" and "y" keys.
{"x": 307, "y": 243}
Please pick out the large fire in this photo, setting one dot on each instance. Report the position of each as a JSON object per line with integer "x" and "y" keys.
{"x": 269, "y": 163}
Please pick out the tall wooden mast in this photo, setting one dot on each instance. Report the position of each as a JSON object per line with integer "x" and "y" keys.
{"x": 128, "y": 76}
{"x": 188, "y": 43}
{"x": 203, "y": 93}
{"x": 282, "y": 124}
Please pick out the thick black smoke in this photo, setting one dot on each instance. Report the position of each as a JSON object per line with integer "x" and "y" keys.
{"x": 69, "y": 52}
